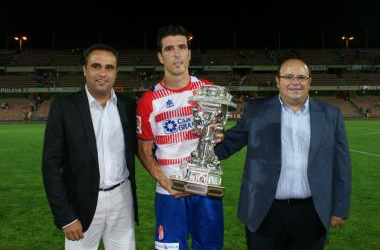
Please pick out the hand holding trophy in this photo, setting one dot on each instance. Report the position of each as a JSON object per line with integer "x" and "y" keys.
{"x": 203, "y": 174}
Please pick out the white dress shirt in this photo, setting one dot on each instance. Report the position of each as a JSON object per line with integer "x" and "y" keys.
{"x": 109, "y": 141}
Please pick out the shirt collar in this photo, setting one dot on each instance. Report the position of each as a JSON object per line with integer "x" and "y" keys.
{"x": 304, "y": 108}
{"x": 92, "y": 101}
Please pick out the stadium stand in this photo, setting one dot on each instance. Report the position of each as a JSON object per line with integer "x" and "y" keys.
{"x": 346, "y": 107}
{"x": 17, "y": 107}
{"x": 349, "y": 79}
{"x": 42, "y": 112}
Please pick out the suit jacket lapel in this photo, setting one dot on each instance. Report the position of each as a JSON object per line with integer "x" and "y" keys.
{"x": 124, "y": 121}
{"x": 85, "y": 113}
{"x": 316, "y": 128}
{"x": 122, "y": 112}
{"x": 274, "y": 120}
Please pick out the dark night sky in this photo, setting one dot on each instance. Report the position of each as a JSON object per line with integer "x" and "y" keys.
{"x": 236, "y": 24}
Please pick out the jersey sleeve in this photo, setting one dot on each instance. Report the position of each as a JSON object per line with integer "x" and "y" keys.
{"x": 143, "y": 115}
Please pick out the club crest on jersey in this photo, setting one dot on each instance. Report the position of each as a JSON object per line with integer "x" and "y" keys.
{"x": 160, "y": 232}
{"x": 169, "y": 103}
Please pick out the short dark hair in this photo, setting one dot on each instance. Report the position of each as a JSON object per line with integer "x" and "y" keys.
{"x": 99, "y": 46}
{"x": 292, "y": 58}
{"x": 172, "y": 30}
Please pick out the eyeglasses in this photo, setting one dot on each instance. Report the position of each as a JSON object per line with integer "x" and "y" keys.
{"x": 299, "y": 78}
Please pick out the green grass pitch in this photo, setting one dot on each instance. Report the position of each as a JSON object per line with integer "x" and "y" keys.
{"x": 26, "y": 220}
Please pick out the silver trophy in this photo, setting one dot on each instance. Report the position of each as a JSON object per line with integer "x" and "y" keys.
{"x": 203, "y": 175}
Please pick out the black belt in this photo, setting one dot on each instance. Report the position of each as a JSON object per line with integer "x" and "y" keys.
{"x": 110, "y": 188}
{"x": 293, "y": 201}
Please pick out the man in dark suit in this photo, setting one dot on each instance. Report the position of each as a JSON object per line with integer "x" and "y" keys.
{"x": 88, "y": 159}
{"x": 297, "y": 175}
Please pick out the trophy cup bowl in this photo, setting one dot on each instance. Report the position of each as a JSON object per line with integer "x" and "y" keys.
{"x": 203, "y": 174}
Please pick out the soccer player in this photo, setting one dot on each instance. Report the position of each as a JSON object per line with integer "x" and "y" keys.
{"x": 165, "y": 120}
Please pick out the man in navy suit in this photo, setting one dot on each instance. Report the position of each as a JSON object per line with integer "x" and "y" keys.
{"x": 297, "y": 175}
{"x": 88, "y": 160}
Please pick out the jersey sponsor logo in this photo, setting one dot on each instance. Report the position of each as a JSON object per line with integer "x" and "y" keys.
{"x": 169, "y": 103}
{"x": 170, "y": 127}
{"x": 160, "y": 232}
{"x": 178, "y": 125}
{"x": 166, "y": 246}
{"x": 138, "y": 125}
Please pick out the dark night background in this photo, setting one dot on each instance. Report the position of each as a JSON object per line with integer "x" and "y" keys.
{"x": 227, "y": 25}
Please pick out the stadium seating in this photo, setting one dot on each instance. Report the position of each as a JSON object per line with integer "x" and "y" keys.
{"x": 251, "y": 70}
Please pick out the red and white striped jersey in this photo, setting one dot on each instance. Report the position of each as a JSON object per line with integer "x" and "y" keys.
{"x": 165, "y": 117}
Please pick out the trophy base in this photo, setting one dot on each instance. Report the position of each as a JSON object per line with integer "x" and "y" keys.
{"x": 197, "y": 188}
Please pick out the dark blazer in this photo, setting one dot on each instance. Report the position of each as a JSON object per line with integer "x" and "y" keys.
{"x": 329, "y": 167}
{"x": 70, "y": 160}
